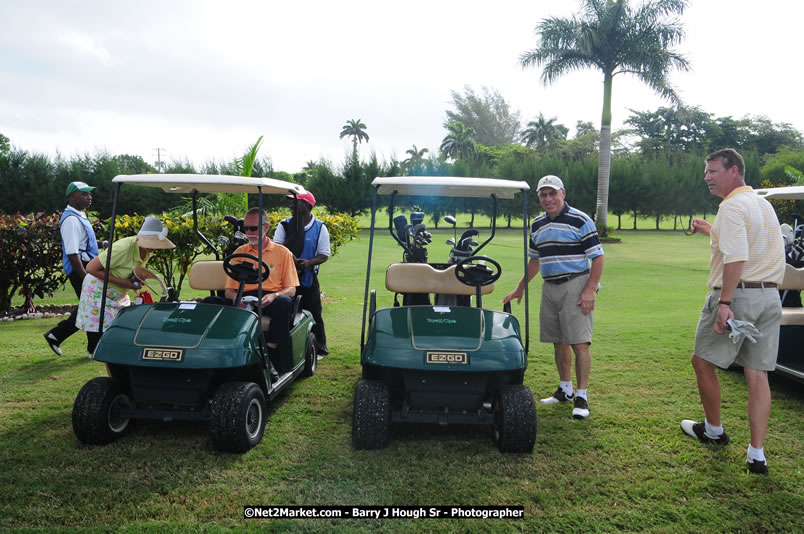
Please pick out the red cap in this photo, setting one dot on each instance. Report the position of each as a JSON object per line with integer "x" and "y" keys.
{"x": 306, "y": 196}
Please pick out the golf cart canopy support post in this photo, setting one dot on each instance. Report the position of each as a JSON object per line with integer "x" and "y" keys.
{"x": 108, "y": 257}
{"x": 201, "y": 236}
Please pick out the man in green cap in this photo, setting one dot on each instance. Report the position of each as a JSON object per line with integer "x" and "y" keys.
{"x": 78, "y": 246}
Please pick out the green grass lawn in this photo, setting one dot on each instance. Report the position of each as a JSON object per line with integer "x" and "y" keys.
{"x": 627, "y": 468}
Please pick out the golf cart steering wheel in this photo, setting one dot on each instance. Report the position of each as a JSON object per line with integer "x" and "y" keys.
{"x": 245, "y": 272}
{"x": 477, "y": 275}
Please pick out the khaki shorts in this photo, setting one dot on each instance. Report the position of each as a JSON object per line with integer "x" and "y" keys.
{"x": 763, "y": 308}
{"x": 560, "y": 317}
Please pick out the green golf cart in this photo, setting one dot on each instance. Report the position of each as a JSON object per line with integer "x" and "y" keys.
{"x": 439, "y": 358}
{"x": 192, "y": 361}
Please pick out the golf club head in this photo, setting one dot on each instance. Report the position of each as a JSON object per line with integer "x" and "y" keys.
{"x": 450, "y": 241}
{"x": 450, "y": 219}
{"x": 223, "y": 240}
{"x": 416, "y": 218}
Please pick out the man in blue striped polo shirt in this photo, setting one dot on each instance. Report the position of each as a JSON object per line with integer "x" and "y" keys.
{"x": 565, "y": 247}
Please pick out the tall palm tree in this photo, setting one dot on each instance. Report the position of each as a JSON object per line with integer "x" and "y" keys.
{"x": 611, "y": 36}
{"x": 415, "y": 159}
{"x": 459, "y": 142}
{"x": 542, "y": 132}
{"x": 356, "y": 130}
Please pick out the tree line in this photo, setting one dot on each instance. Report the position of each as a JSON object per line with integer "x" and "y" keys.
{"x": 656, "y": 168}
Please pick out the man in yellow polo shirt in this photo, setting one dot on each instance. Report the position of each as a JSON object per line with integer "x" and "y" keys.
{"x": 279, "y": 288}
{"x": 747, "y": 263}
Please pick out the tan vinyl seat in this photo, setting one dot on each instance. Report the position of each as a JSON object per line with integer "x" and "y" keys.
{"x": 208, "y": 276}
{"x": 793, "y": 280}
{"x": 423, "y": 278}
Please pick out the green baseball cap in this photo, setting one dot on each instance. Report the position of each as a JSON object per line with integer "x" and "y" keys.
{"x": 78, "y": 186}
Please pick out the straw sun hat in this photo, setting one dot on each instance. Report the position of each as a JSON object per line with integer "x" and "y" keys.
{"x": 153, "y": 234}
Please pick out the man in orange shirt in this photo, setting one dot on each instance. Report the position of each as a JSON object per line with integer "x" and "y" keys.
{"x": 279, "y": 288}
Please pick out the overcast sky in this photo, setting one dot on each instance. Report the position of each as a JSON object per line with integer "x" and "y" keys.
{"x": 204, "y": 79}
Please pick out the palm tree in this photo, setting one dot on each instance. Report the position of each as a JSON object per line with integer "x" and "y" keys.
{"x": 542, "y": 132}
{"x": 459, "y": 142}
{"x": 356, "y": 130}
{"x": 416, "y": 158}
{"x": 611, "y": 36}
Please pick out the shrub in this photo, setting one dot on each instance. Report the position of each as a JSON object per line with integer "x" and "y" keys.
{"x": 173, "y": 264}
{"x": 341, "y": 227}
{"x": 31, "y": 257}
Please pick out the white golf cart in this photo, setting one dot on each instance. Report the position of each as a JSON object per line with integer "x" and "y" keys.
{"x": 790, "y": 361}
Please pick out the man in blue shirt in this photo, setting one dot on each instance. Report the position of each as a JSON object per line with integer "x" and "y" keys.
{"x": 78, "y": 246}
{"x": 565, "y": 247}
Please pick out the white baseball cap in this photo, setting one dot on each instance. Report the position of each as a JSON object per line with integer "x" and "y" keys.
{"x": 551, "y": 181}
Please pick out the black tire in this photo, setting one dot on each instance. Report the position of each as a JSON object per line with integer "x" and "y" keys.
{"x": 237, "y": 417}
{"x": 371, "y": 417}
{"x": 515, "y": 419}
{"x": 310, "y": 357}
{"x": 96, "y": 412}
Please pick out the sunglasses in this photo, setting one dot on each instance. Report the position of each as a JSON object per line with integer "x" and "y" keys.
{"x": 251, "y": 228}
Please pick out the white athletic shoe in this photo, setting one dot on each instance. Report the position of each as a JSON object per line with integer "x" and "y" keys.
{"x": 558, "y": 397}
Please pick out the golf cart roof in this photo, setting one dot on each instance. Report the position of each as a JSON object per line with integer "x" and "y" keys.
{"x": 793, "y": 192}
{"x": 210, "y": 183}
{"x": 448, "y": 186}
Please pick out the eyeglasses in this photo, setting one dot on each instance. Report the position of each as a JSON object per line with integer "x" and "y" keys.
{"x": 251, "y": 228}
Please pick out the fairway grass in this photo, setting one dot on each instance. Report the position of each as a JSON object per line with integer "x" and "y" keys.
{"x": 627, "y": 468}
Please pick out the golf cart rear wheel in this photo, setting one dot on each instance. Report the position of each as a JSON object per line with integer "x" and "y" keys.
{"x": 237, "y": 417}
{"x": 371, "y": 418}
{"x": 97, "y": 412}
{"x": 515, "y": 419}
{"x": 310, "y": 356}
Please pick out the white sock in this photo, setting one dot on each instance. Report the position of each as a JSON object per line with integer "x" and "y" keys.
{"x": 581, "y": 393}
{"x": 756, "y": 454}
{"x": 566, "y": 387}
{"x": 711, "y": 430}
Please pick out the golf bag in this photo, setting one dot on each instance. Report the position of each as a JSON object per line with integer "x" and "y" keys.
{"x": 794, "y": 255}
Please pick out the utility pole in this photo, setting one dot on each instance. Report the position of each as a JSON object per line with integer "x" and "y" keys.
{"x": 159, "y": 164}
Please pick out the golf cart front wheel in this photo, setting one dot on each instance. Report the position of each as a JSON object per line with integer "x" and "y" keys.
{"x": 515, "y": 419}
{"x": 237, "y": 417}
{"x": 310, "y": 356}
{"x": 371, "y": 418}
{"x": 98, "y": 412}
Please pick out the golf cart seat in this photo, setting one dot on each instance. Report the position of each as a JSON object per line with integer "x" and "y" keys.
{"x": 423, "y": 278}
{"x": 793, "y": 280}
{"x": 209, "y": 276}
